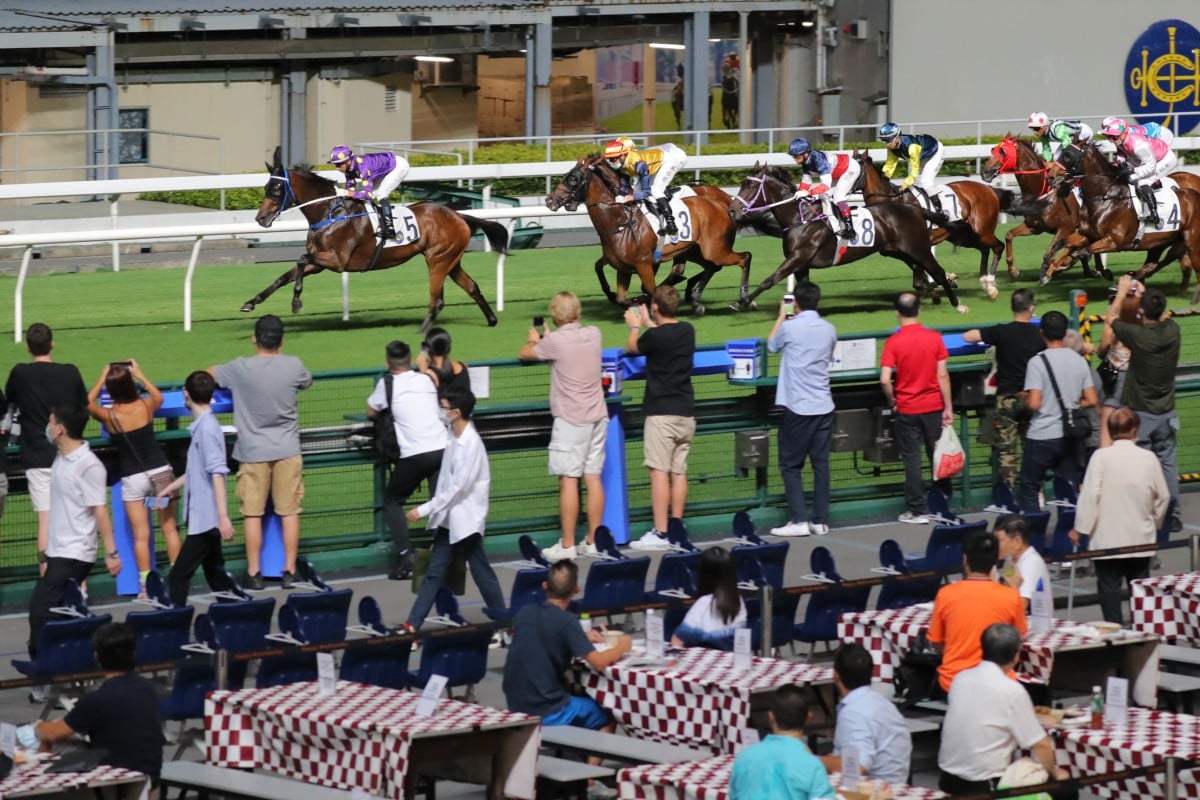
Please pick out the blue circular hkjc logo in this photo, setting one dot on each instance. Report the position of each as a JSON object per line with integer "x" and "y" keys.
{"x": 1162, "y": 74}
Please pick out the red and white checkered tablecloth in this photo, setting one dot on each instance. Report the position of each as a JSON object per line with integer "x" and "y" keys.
{"x": 32, "y": 779}
{"x": 1147, "y": 738}
{"x": 1168, "y": 606}
{"x": 701, "y": 701}
{"x": 709, "y": 780}
{"x": 358, "y": 738}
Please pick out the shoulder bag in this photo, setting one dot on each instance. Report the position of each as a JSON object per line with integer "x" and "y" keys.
{"x": 1075, "y": 422}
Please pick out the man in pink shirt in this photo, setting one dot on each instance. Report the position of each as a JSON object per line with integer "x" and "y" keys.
{"x": 580, "y": 418}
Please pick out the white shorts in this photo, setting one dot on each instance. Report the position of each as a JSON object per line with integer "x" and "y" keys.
{"x": 39, "y": 488}
{"x": 673, "y": 160}
{"x": 845, "y": 184}
{"x": 577, "y": 449}
{"x": 135, "y": 488}
{"x": 391, "y": 180}
{"x": 929, "y": 171}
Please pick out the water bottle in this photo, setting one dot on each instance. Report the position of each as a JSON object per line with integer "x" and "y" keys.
{"x": 585, "y": 622}
{"x": 1040, "y": 608}
{"x": 1097, "y": 722}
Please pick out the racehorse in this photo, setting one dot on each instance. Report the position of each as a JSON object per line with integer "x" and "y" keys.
{"x": 340, "y": 238}
{"x": 978, "y": 207}
{"x": 1016, "y": 156}
{"x": 897, "y": 231}
{"x": 1110, "y": 222}
{"x": 628, "y": 240}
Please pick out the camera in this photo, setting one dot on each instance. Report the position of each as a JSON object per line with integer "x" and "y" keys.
{"x": 789, "y": 305}
{"x": 539, "y": 322}
{"x": 122, "y": 364}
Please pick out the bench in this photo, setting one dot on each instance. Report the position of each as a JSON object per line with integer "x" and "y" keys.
{"x": 1179, "y": 655}
{"x": 558, "y": 777}
{"x": 235, "y": 783}
{"x": 1180, "y": 689}
{"x": 617, "y": 748}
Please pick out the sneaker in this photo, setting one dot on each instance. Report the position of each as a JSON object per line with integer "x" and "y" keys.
{"x": 913, "y": 519}
{"x": 557, "y": 552}
{"x": 598, "y": 791}
{"x": 403, "y": 628}
{"x": 403, "y": 570}
{"x": 818, "y": 528}
{"x": 253, "y": 582}
{"x": 585, "y": 549}
{"x": 791, "y": 529}
{"x": 288, "y": 580}
{"x": 651, "y": 540}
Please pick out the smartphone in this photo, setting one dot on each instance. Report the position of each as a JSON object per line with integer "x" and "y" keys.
{"x": 539, "y": 322}
{"x": 125, "y": 364}
{"x": 156, "y": 502}
{"x": 789, "y": 305}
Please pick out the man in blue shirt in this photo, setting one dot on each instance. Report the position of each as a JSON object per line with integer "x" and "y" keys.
{"x": 806, "y": 342}
{"x": 781, "y": 767}
{"x": 867, "y": 721}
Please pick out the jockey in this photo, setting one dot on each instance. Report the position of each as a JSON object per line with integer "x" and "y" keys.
{"x": 1055, "y": 134}
{"x": 650, "y": 172}
{"x": 373, "y": 177}
{"x": 924, "y": 155}
{"x": 1151, "y": 129}
{"x": 1151, "y": 159}
{"x": 844, "y": 170}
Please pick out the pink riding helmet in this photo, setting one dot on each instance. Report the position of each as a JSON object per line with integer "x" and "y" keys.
{"x": 1111, "y": 121}
{"x": 1114, "y": 128}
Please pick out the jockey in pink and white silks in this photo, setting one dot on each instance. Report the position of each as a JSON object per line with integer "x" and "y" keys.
{"x": 373, "y": 176}
{"x": 1150, "y": 130}
{"x": 1151, "y": 159}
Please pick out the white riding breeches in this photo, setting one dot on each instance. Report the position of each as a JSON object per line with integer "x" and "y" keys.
{"x": 673, "y": 159}
{"x": 929, "y": 171}
{"x": 844, "y": 185}
{"x": 391, "y": 180}
{"x": 1164, "y": 167}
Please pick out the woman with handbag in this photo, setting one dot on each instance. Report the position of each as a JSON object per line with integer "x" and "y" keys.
{"x": 1114, "y": 367}
{"x": 145, "y": 471}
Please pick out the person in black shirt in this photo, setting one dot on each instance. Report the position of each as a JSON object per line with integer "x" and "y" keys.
{"x": 33, "y": 390}
{"x": 121, "y": 715}
{"x": 669, "y": 406}
{"x": 1016, "y": 342}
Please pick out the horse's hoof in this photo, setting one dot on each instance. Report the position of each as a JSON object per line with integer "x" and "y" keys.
{"x": 962, "y": 308}
{"x": 1107, "y": 274}
{"x": 296, "y": 306}
{"x": 937, "y": 299}
{"x": 951, "y": 276}
{"x": 1013, "y": 272}
{"x": 737, "y": 305}
{"x": 247, "y": 307}
{"x": 698, "y": 309}
{"x": 1044, "y": 280}
{"x": 751, "y": 305}
{"x": 492, "y": 321}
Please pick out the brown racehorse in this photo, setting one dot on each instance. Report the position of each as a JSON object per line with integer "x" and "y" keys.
{"x": 978, "y": 208}
{"x": 1016, "y": 156}
{"x": 898, "y": 231}
{"x": 340, "y": 238}
{"x": 629, "y": 242}
{"x": 1110, "y": 223}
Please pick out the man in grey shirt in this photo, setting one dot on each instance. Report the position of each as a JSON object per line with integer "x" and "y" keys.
{"x": 265, "y": 388}
{"x": 1046, "y": 446}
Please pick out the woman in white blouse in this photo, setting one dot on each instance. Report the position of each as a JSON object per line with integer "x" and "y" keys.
{"x": 719, "y": 611}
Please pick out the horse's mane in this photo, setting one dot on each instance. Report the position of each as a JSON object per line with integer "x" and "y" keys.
{"x": 309, "y": 171}
{"x": 779, "y": 174}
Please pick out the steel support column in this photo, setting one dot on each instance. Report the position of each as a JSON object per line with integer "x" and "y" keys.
{"x": 293, "y": 107}
{"x": 543, "y": 54}
{"x": 695, "y": 39}
{"x": 763, "y": 83}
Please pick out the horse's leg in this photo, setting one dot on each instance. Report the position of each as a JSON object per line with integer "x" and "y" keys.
{"x": 623, "y": 279}
{"x": 796, "y": 263}
{"x": 437, "y": 282}
{"x": 1013, "y": 233}
{"x": 275, "y": 285}
{"x": 678, "y": 268}
{"x": 604, "y": 285}
{"x": 1076, "y": 252}
{"x": 1153, "y": 263}
{"x": 934, "y": 270}
{"x": 468, "y": 284}
{"x": 310, "y": 268}
{"x": 694, "y": 290}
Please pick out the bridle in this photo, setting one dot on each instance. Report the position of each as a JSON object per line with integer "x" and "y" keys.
{"x": 748, "y": 206}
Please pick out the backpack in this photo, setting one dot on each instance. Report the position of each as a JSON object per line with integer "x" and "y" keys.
{"x": 387, "y": 447}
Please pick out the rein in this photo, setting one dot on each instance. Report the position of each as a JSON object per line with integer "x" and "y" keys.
{"x": 748, "y": 205}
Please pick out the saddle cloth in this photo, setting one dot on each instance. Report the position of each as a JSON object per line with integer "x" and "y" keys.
{"x": 864, "y": 227}
{"x": 682, "y": 215}
{"x": 404, "y": 222}
{"x": 948, "y": 199}
{"x": 1168, "y": 208}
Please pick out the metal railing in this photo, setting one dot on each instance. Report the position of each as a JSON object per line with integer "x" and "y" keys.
{"x": 208, "y": 160}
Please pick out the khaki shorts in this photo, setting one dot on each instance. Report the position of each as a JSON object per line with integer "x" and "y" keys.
{"x": 667, "y": 442}
{"x": 577, "y": 449}
{"x": 39, "y": 488}
{"x": 282, "y": 481}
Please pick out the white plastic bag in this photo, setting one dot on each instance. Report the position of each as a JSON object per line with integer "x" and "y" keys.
{"x": 947, "y": 455}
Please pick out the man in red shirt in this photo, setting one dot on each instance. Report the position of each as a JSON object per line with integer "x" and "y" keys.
{"x": 915, "y": 357}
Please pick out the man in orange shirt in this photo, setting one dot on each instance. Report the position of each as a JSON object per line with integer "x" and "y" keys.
{"x": 963, "y": 611}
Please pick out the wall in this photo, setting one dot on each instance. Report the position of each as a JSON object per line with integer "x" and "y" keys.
{"x": 956, "y": 60}
{"x": 501, "y": 97}
{"x": 357, "y": 110}
{"x": 24, "y": 107}
{"x": 860, "y": 66}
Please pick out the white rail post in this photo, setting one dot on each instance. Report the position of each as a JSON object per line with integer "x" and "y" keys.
{"x": 345, "y": 297}
{"x": 18, "y": 297}
{"x": 486, "y": 200}
{"x": 187, "y": 284}
{"x": 116, "y": 248}
{"x": 500, "y": 266}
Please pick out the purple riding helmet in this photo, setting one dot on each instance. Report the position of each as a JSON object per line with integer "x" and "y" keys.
{"x": 340, "y": 154}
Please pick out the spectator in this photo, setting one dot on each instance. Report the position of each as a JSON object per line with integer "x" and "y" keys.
{"x": 1026, "y": 566}
{"x": 435, "y": 362}
{"x": 718, "y": 610}
{"x": 580, "y": 429}
{"x": 422, "y": 440}
{"x": 1116, "y": 362}
{"x": 265, "y": 412}
{"x": 546, "y": 640}
{"x": 990, "y": 717}
{"x": 669, "y": 406}
{"x": 77, "y": 511}
{"x": 144, "y": 467}
{"x": 32, "y": 390}
{"x": 867, "y": 722}
{"x": 1127, "y": 513}
{"x": 1150, "y": 386}
{"x": 458, "y": 510}
{"x": 962, "y": 611}
{"x": 781, "y": 766}
{"x": 1046, "y": 445}
{"x": 920, "y": 397}
{"x": 121, "y": 715}
{"x": 205, "y": 509}
{"x": 806, "y": 341}
{"x": 1015, "y": 343}
{"x": 1073, "y": 339}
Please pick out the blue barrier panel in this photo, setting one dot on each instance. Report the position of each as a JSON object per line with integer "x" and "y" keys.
{"x": 272, "y": 559}
{"x": 128, "y": 582}
{"x": 614, "y": 478}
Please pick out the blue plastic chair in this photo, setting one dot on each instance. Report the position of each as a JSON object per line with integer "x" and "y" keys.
{"x": 783, "y": 622}
{"x": 1060, "y": 543}
{"x": 306, "y": 572}
{"x": 460, "y": 656}
{"x": 295, "y": 667}
{"x": 193, "y": 680}
{"x": 820, "y": 561}
{"x": 378, "y": 664}
{"x": 944, "y": 550}
{"x": 160, "y": 633}
{"x": 319, "y": 616}
{"x": 614, "y": 584}
{"x": 743, "y": 528}
{"x": 1003, "y": 498}
{"x": 823, "y": 611}
{"x": 64, "y": 647}
{"x": 445, "y": 607}
{"x": 526, "y": 590}
{"x": 1039, "y": 524}
{"x": 769, "y": 559}
{"x": 1164, "y": 530}
{"x": 902, "y": 594}
{"x": 530, "y": 551}
{"x": 677, "y": 535}
{"x": 607, "y": 545}
{"x": 239, "y": 627}
{"x": 677, "y": 572}
{"x": 370, "y": 616}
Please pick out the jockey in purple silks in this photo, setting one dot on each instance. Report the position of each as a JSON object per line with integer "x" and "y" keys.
{"x": 373, "y": 177}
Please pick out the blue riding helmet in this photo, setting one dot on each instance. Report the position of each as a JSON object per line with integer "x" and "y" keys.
{"x": 888, "y": 131}
{"x": 799, "y": 147}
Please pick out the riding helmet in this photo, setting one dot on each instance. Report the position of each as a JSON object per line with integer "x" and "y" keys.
{"x": 1038, "y": 119}
{"x": 798, "y": 147}
{"x": 1114, "y": 128}
{"x": 888, "y": 131}
{"x": 1111, "y": 121}
{"x": 340, "y": 154}
{"x": 618, "y": 147}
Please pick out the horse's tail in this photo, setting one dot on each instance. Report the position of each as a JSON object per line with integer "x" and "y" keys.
{"x": 497, "y": 234}
{"x": 1028, "y": 208}
{"x": 1006, "y": 197}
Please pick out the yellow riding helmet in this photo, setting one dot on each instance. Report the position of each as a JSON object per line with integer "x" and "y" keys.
{"x": 618, "y": 147}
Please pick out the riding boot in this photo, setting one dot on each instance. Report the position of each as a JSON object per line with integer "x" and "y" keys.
{"x": 1146, "y": 193}
{"x": 847, "y": 231}
{"x": 935, "y": 202}
{"x": 668, "y": 221}
{"x": 387, "y": 229}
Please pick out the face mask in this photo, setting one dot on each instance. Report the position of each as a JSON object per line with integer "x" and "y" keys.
{"x": 49, "y": 436}
{"x": 444, "y": 416}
